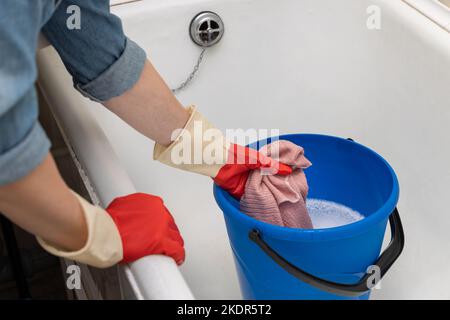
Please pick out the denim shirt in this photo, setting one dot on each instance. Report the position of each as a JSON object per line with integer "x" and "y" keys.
{"x": 103, "y": 63}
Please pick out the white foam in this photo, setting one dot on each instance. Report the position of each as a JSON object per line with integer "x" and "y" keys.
{"x": 328, "y": 214}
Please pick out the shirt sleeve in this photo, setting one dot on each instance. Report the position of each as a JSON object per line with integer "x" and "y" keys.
{"x": 103, "y": 62}
{"x": 23, "y": 143}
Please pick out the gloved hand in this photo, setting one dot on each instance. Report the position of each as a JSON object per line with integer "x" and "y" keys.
{"x": 146, "y": 227}
{"x": 233, "y": 175}
{"x": 203, "y": 149}
{"x": 130, "y": 228}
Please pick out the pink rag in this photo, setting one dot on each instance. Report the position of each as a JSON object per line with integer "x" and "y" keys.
{"x": 276, "y": 199}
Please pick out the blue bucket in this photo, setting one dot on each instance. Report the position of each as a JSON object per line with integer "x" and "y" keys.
{"x": 343, "y": 262}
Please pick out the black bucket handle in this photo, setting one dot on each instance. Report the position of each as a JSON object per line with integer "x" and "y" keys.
{"x": 384, "y": 262}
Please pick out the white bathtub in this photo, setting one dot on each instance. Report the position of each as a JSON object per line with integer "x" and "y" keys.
{"x": 293, "y": 65}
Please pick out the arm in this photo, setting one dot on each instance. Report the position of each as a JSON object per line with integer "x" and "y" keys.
{"x": 150, "y": 107}
{"x": 109, "y": 68}
{"x": 42, "y": 204}
{"x": 32, "y": 194}
{"x": 68, "y": 226}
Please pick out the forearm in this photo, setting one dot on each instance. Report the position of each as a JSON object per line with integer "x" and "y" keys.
{"x": 42, "y": 204}
{"x": 150, "y": 107}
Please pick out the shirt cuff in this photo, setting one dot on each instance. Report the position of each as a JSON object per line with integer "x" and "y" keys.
{"x": 119, "y": 77}
{"x": 23, "y": 158}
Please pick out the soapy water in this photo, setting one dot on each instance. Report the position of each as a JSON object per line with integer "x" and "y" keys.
{"x": 328, "y": 214}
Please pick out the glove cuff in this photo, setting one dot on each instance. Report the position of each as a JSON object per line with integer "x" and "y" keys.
{"x": 199, "y": 147}
{"x": 104, "y": 245}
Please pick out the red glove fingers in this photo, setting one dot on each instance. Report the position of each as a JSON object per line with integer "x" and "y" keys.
{"x": 146, "y": 227}
{"x": 234, "y": 174}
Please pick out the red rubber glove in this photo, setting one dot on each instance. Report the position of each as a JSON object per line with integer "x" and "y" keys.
{"x": 241, "y": 160}
{"x": 146, "y": 227}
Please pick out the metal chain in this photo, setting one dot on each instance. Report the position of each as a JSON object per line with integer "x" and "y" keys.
{"x": 186, "y": 82}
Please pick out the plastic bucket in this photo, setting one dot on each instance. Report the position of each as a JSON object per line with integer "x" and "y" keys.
{"x": 344, "y": 262}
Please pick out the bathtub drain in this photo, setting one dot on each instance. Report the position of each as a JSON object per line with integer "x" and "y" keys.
{"x": 206, "y": 29}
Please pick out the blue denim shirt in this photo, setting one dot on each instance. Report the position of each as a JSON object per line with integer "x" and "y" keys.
{"x": 103, "y": 63}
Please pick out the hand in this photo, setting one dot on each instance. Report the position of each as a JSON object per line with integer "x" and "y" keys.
{"x": 146, "y": 227}
{"x": 233, "y": 176}
{"x": 130, "y": 228}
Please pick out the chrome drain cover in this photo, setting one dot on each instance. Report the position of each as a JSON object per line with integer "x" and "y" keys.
{"x": 206, "y": 29}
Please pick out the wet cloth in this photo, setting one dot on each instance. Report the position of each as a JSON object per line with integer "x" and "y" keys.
{"x": 279, "y": 200}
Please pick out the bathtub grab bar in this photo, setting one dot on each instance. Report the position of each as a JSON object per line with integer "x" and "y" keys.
{"x": 151, "y": 277}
